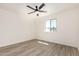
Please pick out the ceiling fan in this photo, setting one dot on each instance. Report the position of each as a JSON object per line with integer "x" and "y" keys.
{"x": 37, "y": 9}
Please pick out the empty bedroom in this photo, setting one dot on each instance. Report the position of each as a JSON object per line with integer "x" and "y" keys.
{"x": 39, "y": 29}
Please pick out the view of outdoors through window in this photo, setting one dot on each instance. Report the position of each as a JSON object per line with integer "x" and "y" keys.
{"x": 51, "y": 25}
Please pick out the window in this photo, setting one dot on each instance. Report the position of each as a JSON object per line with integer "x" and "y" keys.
{"x": 50, "y": 25}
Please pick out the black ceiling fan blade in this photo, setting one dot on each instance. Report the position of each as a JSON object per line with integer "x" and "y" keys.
{"x": 30, "y": 7}
{"x": 32, "y": 12}
{"x": 42, "y": 5}
{"x": 42, "y": 11}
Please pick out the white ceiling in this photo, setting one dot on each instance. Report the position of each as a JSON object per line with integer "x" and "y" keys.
{"x": 51, "y": 8}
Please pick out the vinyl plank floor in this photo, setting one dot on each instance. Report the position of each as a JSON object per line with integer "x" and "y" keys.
{"x": 38, "y": 48}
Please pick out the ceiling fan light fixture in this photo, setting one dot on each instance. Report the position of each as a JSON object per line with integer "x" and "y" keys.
{"x": 37, "y": 14}
{"x": 37, "y": 9}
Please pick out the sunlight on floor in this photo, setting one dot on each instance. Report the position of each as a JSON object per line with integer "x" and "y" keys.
{"x": 43, "y": 43}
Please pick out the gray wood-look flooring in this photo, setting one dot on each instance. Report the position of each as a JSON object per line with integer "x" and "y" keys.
{"x": 36, "y": 48}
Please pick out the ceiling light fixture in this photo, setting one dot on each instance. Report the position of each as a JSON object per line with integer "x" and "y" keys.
{"x": 37, "y": 9}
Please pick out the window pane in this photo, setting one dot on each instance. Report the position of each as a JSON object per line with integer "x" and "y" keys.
{"x": 47, "y": 23}
{"x": 47, "y": 26}
{"x": 47, "y": 29}
{"x": 50, "y": 25}
{"x": 53, "y": 23}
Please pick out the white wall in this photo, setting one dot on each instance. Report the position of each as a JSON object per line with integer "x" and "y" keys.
{"x": 67, "y": 28}
{"x": 14, "y": 29}
{"x": 17, "y": 27}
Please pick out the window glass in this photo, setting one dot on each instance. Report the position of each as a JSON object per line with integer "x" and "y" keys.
{"x": 51, "y": 25}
